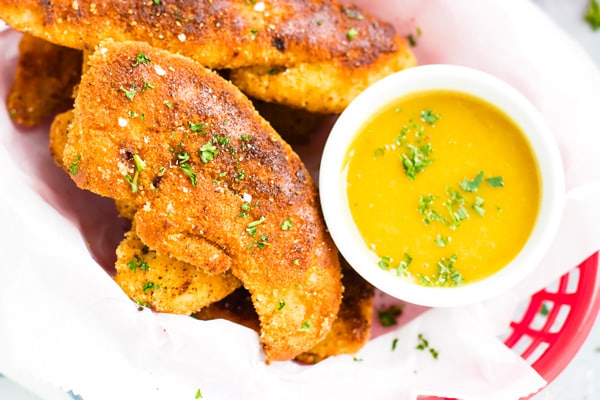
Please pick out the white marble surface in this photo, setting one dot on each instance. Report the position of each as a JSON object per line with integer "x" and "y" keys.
{"x": 581, "y": 379}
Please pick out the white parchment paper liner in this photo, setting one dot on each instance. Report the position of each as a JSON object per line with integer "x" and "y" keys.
{"x": 64, "y": 322}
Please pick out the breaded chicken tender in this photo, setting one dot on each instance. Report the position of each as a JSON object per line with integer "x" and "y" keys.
{"x": 291, "y": 40}
{"x": 321, "y": 87}
{"x": 44, "y": 80}
{"x": 165, "y": 284}
{"x": 349, "y": 333}
{"x": 212, "y": 182}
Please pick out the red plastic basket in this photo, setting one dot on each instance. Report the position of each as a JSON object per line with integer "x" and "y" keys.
{"x": 556, "y": 321}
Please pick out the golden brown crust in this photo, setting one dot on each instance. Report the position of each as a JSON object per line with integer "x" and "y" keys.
{"x": 298, "y": 36}
{"x": 349, "y": 333}
{"x": 165, "y": 284}
{"x": 217, "y": 33}
{"x": 352, "y": 328}
{"x": 58, "y": 137}
{"x": 45, "y": 77}
{"x": 321, "y": 87}
{"x": 142, "y": 127}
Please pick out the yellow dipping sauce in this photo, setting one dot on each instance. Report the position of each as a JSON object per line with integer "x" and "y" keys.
{"x": 443, "y": 187}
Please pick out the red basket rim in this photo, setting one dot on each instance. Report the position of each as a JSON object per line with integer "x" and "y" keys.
{"x": 564, "y": 344}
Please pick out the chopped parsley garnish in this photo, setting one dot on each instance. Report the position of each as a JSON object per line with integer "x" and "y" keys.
{"x": 495, "y": 182}
{"x": 254, "y": 32}
{"x": 441, "y": 240}
{"x": 423, "y": 344}
{"x": 412, "y": 41}
{"x": 245, "y": 208}
{"x": 198, "y": 128}
{"x": 208, "y": 152}
{"x": 150, "y": 286}
{"x": 239, "y": 175}
{"x": 169, "y": 103}
{"x": 136, "y": 263}
{"x": 146, "y": 86}
{"x": 544, "y": 310}
{"x": 394, "y": 344}
{"x": 455, "y": 205}
{"x": 389, "y": 316}
{"x": 478, "y": 206}
{"x": 305, "y": 326}
{"x": 286, "y": 225}
{"x": 281, "y": 305}
{"x": 129, "y": 93}
{"x": 198, "y": 392}
{"x": 471, "y": 185}
{"x": 183, "y": 159}
{"x": 140, "y": 165}
{"x": 74, "y": 166}
{"x": 447, "y": 274}
{"x": 384, "y": 263}
{"x": 429, "y": 117}
{"x": 141, "y": 58}
{"x": 425, "y": 207}
{"x": 416, "y": 160}
{"x": 592, "y": 14}
{"x": 351, "y": 34}
{"x": 252, "y": 226}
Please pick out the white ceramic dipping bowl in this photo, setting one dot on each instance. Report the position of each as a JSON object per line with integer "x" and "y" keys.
{"x": 332, "y": 182}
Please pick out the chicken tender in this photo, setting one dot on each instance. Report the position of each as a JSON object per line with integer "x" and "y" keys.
{"x": 295, "y": 36}
{"x": 205, "y": 170}
{"x": 44, "y": 80}
{"x": 165, "y": 284}
{"x": 352, "y": 328}
{"x": 326, "y": 87}
{"x": 349, "y": 333}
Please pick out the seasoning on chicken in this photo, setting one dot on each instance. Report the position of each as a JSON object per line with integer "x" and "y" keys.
{"x": 211, "y": 181}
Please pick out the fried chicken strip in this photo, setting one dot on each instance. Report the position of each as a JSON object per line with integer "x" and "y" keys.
{"x": 349, "y": 333}
{"x": 45, "y": 77}
{"x": 215, "y": 261}
{"x": 189, "y": 150}
{"x": 298, "y": 36}
{"x": 165, "y": 284}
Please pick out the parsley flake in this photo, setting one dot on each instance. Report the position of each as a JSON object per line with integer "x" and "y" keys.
{"x": 416, "y": 160}
{"x": 208, "y": 152}
{"x": 592, "y": 14}
{"x": 281, "y": 305}
{"x": 352, "y": 34}
{"x": 198, "y": 128}
{"x": 150, "y": 286}
{"x": 305, "y": 326}
{"x": 129, "y": 93}
{"x": 389, "y": 316}
{"x": 74, "y": 166}
{"x": 429, "y": 117}
{"x": 286, "y": 225}
{"x": 183, "y": 159}
{"x": 495, "y": 182}
{"x": 471, "y": 185}
{"x": 141, "y": 58}
{"x": 136, "y": 263}
{"x": 140, "y": 165}
{"x": 198, "y": 392}
{"x": 423, "y": 345}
